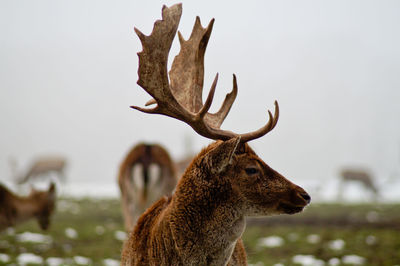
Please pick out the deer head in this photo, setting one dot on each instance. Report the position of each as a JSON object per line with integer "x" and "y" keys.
{"x": 256, "y": 187}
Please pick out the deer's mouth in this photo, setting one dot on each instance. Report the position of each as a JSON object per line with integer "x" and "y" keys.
{"x": 289, "y": 208}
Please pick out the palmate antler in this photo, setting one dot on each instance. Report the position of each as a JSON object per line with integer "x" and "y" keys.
{"x": 182, "y": 98}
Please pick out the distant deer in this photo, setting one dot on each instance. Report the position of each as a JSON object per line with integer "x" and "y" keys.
{"x": 139, "y": 181}
{"x": 202, "y": 222}
{"x": 359, "y": 176}
{"x": 41, "y": 167}
{"x": 15, "y": 209}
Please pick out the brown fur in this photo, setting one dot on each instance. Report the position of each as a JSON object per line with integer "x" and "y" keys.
{"x": 15, "y": 209}
{"x": 202, "y": 223}
{"x": 135, "y": 200}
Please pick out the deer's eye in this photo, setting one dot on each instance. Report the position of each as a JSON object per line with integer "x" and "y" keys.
{"x": 251, "y": 170}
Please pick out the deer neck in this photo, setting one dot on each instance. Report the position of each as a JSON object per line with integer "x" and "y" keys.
{"x": 206, "y": 222}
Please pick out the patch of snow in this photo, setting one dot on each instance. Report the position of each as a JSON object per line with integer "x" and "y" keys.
{"x": 82, "y": 260}
{"x": 111, "y": 262}
{"x": 337, "y": 244}
{"x": 334, "y": 262}
{"x": 120, "y": 235}
{"x": 34, "y": 238}
{"x": 353, "y": 259}
{"x": 307, "y": 260}
{"x": 313, "y": 239}
{"x": 71, "y": 233}
{"x": 53, "y": 261}
{"x": 271, "y": 241}
{"x": 29, "y": 258}
{"x": 4, "y": 258}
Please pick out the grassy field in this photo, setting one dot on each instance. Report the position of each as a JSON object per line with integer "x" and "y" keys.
{"x": 90, "y": 232}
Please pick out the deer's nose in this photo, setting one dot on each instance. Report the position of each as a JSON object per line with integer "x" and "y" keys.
{"x": 305, "y": 196}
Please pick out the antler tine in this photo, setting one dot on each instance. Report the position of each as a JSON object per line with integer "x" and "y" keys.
{"x": 219, "y": 117}
{"x": 203, "y": 111}
{"x": 272, "y": 121}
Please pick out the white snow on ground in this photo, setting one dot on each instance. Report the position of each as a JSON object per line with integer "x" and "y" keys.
{"x": 334, "y": 262}
{"x": 313, "y": 239}
{"x": 4, "y": 258}
{"x": 111, "y": 262}
{"x": 271, "y": 241}
{"x": 82, "y": 260}
{"x": 34, "y": 238}
{"x": 353, "y": 259}
{"x": 53, "y": 261}
{"x": 29, "y": 258}
{"x": 337, "y": 244}
{"x": 71, "y": 233}
{"x": 120, "y": 235}
{"x": 307, "y": 260}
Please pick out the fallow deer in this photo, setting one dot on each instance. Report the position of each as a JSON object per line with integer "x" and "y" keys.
{"x": 202, "y": 222}
{"x": 16, "y": 209}
{"x": 361, "y": 176}
{"x": 41, "y": 167}
{"x": 146, "y": 174}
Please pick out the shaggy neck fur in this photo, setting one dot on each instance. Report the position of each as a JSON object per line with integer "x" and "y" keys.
{"x": 206, "y": 210}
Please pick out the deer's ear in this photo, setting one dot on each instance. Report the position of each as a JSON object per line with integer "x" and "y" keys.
{"x": 52, "y": 188}
{"x": 52, "y": 192}
{"x": 220, "y": 157}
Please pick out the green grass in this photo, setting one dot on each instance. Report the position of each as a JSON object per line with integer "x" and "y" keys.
{"x": 368, "y": 231}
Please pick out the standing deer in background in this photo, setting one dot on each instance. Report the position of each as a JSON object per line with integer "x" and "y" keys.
{"x": 41, "y": 167}
{"x": 146, "y": 174}
{"x": 202, "y": 222}
{"x": 15, "y": 209}
{"x": 360, "y": 176}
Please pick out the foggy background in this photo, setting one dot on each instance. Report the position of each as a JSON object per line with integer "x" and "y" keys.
{"x": 68, "y": 72}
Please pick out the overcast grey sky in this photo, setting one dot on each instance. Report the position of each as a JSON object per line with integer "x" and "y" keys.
{"x": 68, "y": 72}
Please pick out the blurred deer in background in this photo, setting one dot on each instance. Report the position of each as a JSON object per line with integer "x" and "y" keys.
{"x": 41, "y": 167}
{"x": 146, "y": 174}
{"x": 358, "y": 176}
{"x": 16, "y": 209}
{"x": 202, "y": 222}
